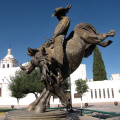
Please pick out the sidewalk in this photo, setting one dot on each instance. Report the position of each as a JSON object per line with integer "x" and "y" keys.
{"x": 2, "y": 117}
{"x": 94, "y": 116}
{"x": 88, "y": 118}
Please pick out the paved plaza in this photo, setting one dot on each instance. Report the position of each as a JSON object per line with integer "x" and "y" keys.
{"x": 106, "y": 107}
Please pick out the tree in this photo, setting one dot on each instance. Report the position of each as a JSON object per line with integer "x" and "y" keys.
{"x": 22, "y": 84}
{"x": 32, "y": 82}
{"x": 66, "y": 85}
{"x": 15, "y": 88}
{"x": 99, "y": 72}
{"x": 81, "y": 87}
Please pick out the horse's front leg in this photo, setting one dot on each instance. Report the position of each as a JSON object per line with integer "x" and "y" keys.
{"x": 27, "y": 69}
{"x": 41, "y": 106}
{"x": 33, "y": 105}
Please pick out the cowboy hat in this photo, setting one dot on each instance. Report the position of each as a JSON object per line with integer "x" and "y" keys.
{"x": 60, "y": 10}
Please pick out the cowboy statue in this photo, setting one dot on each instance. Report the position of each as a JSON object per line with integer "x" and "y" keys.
{"x": 55, "y": 42}
{"x": 60, "y": 56}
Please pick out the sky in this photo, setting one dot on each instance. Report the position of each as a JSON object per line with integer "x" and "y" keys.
{"x": 24, "y": 23}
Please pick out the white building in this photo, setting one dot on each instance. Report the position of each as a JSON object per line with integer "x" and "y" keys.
{"x": 115, "y": 76}
{"x": 99, "y": 91}
{"x": 103, "y": 91}
{"x": 8, "y": 68}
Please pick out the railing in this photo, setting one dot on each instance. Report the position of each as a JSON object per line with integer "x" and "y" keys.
{"x": 7, "y": 110}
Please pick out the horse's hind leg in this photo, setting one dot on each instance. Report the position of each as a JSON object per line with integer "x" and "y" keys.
{"x": 59, "y": 92}
{"x": 102, "y": 36}
{"x": 92, "y": 38}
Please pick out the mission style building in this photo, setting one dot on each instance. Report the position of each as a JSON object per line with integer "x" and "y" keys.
{"x": 99, "y": 91}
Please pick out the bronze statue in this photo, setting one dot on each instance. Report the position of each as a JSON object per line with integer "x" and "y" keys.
{"x": 61, "y": 56}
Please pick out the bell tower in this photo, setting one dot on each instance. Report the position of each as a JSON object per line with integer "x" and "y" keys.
{"x": 9, "y": 61}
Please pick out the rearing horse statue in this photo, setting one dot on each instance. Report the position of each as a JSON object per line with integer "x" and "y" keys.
{"x": 80, "y": 43}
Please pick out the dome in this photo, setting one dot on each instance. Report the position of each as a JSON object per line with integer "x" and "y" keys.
{"x": 9, "y": 61}
{"x": 9, "y": 55}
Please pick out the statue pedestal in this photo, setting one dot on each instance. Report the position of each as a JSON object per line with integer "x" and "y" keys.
{"x": 30, "y": 115}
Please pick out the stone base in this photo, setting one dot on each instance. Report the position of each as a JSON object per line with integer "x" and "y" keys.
{"x": 30, "y": 115}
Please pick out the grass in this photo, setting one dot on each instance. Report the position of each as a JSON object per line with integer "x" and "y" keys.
{"x": 2, "y": 113}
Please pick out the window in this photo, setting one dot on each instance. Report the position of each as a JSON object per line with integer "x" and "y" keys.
{"x": 108, "y": 93}
{"x": 77, "y": 95}
{"x": 0, "y": 89}
{"x": 99, "y": 93}
{"x": 95, "y": 93}
{"x": 104, "y": 93}
{"x": 91, "y": 94}
{"x": 3, "y": 65}
{"x": 7, "y": 65}
{"x": 112, "y": 92}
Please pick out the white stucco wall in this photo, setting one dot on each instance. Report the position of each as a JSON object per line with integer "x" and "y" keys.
{"x": 106, "y": 85}
{"x": 6, "y": 99}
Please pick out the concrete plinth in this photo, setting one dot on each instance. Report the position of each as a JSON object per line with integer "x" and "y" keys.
{"x": 30, "y": 115}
